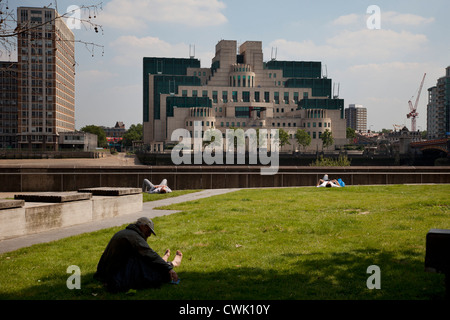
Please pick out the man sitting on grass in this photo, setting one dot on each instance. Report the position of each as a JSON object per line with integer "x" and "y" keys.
{"x": 128, "y": 262}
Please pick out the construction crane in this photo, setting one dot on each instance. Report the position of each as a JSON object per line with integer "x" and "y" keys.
{"x": 413, "y": 114}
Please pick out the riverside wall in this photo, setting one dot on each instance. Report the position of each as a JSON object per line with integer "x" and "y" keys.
{"x": 41, "y": 178}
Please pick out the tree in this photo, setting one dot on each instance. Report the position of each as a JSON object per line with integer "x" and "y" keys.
{"x": 327, "y": 139}
{"x": 303, "y": 138}
{"x": 134, "y": 133}
{"x": 350, "y": 134}
{"x": 101, "y": 135}
{"x": 10, "y": 28}
{"x": 284, "y": 138}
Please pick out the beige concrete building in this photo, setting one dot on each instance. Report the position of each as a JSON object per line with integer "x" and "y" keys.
{"x": 46, "y": 74}
{"x": 356, "y": 118}
{"x": 239, "y": 90}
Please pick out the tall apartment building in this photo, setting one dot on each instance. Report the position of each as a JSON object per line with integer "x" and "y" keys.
{"x": 438, "y": 108}
{"x": 239, "y": 90}
{"x": 46, "y": 78}
{"x": 356, "y": 118}
{"x": 8, "y": 104}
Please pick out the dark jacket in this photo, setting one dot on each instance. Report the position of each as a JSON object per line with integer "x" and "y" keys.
{"x": 129, "y": 262}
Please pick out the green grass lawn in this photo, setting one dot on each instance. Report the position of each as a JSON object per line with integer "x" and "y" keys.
{"x": 159, "y": 196}
{"x": 270, "y": 244}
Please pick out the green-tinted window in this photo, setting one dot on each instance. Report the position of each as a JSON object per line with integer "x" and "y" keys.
{"x": 246, "y": 96}
{"x": 225, "y": 96}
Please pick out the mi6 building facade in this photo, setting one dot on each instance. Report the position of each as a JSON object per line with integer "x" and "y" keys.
{"x": 239, "y": 91}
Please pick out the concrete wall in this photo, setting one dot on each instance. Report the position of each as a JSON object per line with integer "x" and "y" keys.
{"x": 36, "y": 217}
{"x": 27, "y": 179}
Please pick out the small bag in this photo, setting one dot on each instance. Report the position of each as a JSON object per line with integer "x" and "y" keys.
{"x": 341, "y": 183}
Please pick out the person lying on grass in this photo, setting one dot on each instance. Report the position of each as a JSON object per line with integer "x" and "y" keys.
{"x": 128, "y": 262}
{"x": 325, "y": 182}
{"x": 149, "y": 187}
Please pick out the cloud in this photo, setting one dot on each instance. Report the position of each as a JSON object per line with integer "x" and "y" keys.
{"x": 349, "y": 19}
{"x": 131, "y": 49}
{"x": 361, "y": 46}
{"x": 404, "y": 19}
{"x": 136, "y": 14}
{"x": 388, "y": 18}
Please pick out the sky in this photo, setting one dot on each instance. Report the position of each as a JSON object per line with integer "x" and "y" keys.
{"x": 377, "y": 59}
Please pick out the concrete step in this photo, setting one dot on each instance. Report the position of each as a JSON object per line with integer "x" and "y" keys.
{"x": 53, "y": 197}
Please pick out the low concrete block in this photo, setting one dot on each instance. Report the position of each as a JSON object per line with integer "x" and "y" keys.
{"x": 35, "y": 217}
{"x": 105, "y": 191}
{"x": 54, "y": 197}
{"x": 10, "y": 204}
{"x": 12, "y": 223}
{"x": 108, "y": 207}
{"x": 42, "y": 217}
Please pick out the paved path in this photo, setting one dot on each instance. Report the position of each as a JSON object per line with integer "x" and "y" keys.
{"x": 148, "y": 211}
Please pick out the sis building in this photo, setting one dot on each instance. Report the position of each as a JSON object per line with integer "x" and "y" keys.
{"x": 239, "y": 91}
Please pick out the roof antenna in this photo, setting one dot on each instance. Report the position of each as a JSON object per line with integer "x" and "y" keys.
{"x": 192, "y": 51}
{"x": 272, "y": 57}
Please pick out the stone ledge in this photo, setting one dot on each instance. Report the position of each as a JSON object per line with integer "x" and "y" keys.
{"x": 43, "y": 215}
{"x": 10, "y": 204}
{"x": 53, "y": 197}
{"x": 105, "y": 191}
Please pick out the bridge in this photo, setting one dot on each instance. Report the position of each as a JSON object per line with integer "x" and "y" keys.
{"x": 442, "y": 145}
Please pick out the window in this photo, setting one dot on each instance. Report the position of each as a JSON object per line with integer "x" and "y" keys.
{"x": 257, "y": 96}
{"x": 224, "y": 96}
{"x": 276, "y": 97}
{"x": 214, "y": 94}
{"x": 266, "y": 96}
{"x": 246, "y": 96}
{"x": 194, "y": 93}
{"x": 286, "y": 97}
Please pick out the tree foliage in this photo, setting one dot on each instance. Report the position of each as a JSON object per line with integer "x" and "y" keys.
{"x": 327, "y": 139}
{"x": 283, "y": 137}
{"x": 101, "y": 135}
{"x": 134, "y": 133}
{"x": 303, "y": 138}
